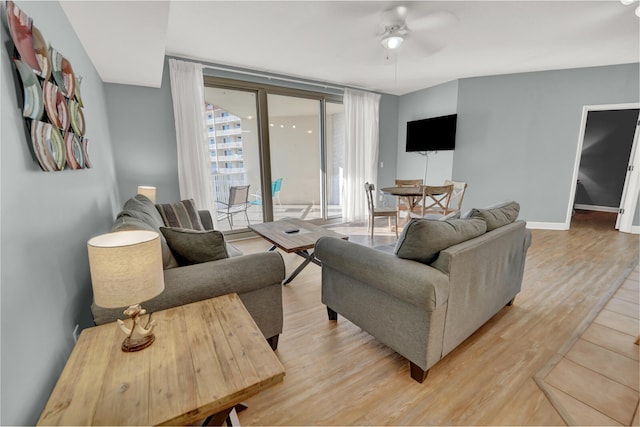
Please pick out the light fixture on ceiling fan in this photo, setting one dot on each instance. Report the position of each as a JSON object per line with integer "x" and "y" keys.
{"x": 393, "y": 37}
{"x": 630, "y": 2}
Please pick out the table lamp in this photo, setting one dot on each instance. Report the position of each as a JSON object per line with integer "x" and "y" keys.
{"x": 149, "y": 192}
{"x": 126, "y": 269}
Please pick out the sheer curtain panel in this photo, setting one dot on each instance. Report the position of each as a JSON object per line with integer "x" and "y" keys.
{"x": 361, "y": 111}
{"x": 194, "y": 168}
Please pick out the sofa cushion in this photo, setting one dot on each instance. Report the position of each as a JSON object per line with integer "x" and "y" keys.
{"x": 128, "y": 220}
{"x": 496, "y": 217}
{"x": 182, "y": 214}
{"x": 194, "y": 246}
{"x": 423, "y": 239}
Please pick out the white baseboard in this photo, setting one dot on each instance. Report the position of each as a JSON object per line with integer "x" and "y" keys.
{"x": 546, "y": 225}
{"x": 635, "y": 229}
{"x": 596, "y": 208}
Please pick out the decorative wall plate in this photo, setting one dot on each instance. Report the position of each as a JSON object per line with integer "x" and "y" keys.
{"x": 33, "y": 98}
{"x": 73, "y": 146}
{"x": 85, "y": 153}
{"x": 77, "y": 118}
{"x": 62, "y": 73}
{"x": 78, "y": 97}
{"x": 56, "y": 106}
{"x": 42, "y": 53}
{"x": 20, "y": 27}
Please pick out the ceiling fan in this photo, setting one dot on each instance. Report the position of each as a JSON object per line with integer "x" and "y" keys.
{"x": 395, "y": 29}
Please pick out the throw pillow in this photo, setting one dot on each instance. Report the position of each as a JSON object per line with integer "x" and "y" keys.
{"x": 498, "y": 216}
{"x": 145, "y": 210}
{"x": 127, "y": 220}
{"x": 194, "y": 247}
{"x": 423, "y": 239}
{"x": 181, "y": 214}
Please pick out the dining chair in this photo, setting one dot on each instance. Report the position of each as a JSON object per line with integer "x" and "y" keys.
{"x": 403, "y": 204}
{"x": 238, "y": 202}
{"x": 455, "y": 201}
{"x": 435, "y": 200}
{"x": 376, "y": 212}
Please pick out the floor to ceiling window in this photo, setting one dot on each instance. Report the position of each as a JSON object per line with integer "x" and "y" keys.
{"x": 287, "y": 145}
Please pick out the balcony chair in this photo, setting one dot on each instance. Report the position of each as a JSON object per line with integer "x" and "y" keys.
{"x": 238, "y": 202}
{"x": 375, "y": 212}
{"x": 275, "y": 193}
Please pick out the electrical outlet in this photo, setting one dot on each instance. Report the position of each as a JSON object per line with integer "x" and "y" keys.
{"x": 75, "y": 333}
{"x": 381, "y": 165}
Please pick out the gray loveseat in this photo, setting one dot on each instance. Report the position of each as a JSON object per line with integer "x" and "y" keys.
{"x": 444, "y": 281}
{"x": 256, "y": 278}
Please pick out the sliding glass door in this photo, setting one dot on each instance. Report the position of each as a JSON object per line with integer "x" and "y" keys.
{"x": 234, "y": 148}
{"x": 286, "y": 144}
{"x": 294, "y": 141}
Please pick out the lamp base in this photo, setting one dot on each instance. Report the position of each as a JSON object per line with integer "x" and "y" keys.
{"x": 136, "y": 344}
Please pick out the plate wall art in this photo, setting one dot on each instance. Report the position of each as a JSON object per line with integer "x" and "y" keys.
{"x": 52, "y": 106}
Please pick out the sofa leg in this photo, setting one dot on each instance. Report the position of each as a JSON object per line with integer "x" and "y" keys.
{"x": 510, "y": 303}
{"x": 417, "y": 373}
{"x": 332, "y": 314}
{"x": 273, "y": 342}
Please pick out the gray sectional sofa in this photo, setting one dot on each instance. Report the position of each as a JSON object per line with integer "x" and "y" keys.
{"x": 442, "y": 282}
{"x": 256, "y": 278}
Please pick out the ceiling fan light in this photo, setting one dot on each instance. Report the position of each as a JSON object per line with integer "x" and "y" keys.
{"x": 626, "y": 2}
{"x": 392, "y": 41}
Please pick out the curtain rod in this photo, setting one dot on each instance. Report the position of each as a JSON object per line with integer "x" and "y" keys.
{"x": 271, "y": 77}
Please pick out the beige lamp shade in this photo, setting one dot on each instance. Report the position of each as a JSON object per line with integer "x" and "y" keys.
{"x": 126, "y": 267}
{"x": 149, "y": 192}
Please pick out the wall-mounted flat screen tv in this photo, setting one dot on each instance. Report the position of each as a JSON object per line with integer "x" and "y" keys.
{"x": 432, "y": 134}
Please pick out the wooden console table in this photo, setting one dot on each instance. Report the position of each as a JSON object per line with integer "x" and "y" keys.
{"x": 207, "y": 357}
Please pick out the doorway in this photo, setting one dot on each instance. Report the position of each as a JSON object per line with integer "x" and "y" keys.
{"x": 605, "y": 177}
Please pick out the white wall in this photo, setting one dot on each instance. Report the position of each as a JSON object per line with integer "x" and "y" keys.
{"x": 46, "y": 219}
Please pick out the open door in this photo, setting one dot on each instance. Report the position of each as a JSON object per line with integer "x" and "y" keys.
{"x": 606, "y": 170}
{"x": 629, "y": 201}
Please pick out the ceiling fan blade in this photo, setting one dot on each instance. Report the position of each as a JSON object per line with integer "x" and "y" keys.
{"x": 422, "y": 48}
{"x": 433, "y": 21}
{"x": 395, "y": 16}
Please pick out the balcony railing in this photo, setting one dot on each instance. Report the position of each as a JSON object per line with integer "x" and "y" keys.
{"x": 227, "y": 119}
{"x": 223, "y": 145}
{"x": 225, "y": 132}
{"x": 230, "y": 158}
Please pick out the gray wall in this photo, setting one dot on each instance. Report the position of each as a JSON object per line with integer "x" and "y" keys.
{"x": 431, "y": 102}
{"x": 46, "y": 220}
{"x": 517, "y": 134}
{"x": 605, "y": 156}
{"x": 388, "y": 134}
{"x": 144, "y": 138}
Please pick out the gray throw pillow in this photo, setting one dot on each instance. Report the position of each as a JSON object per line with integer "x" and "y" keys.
{"x": 193, "y": 246}
{"x": 182, "y": 214}
{"x": 423, "y": 239}
{"x": 145, "y": 210}
{"x": 498, "y": 216}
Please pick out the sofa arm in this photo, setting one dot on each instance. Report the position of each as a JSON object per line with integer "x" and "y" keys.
{"x": 407, "y": 280}
{"x": 184, "y": 285}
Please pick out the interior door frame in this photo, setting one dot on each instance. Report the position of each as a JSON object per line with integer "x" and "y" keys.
{"x": 631, "y": 189}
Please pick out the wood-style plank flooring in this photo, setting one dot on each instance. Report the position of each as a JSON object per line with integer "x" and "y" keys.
{"x": 336, "y": 374}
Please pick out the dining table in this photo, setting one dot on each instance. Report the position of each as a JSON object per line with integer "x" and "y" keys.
{"x": 411, "y": 195}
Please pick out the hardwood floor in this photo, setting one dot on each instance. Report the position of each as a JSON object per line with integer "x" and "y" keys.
{"x": 336, "y": 374}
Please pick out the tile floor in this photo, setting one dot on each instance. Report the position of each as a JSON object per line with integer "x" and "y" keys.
{"x": 596, "y": 382}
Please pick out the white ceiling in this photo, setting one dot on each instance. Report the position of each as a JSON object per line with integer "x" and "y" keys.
{"x": 337, "y": 42}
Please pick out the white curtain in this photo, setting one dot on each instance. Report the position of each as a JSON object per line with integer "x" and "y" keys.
{"x": 361, "y": 111}
{"x": 194, "y": 165}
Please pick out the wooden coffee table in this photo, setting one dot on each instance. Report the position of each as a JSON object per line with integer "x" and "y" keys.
{"x": 207, "y": 357}
{"x": 298, "y": 242}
